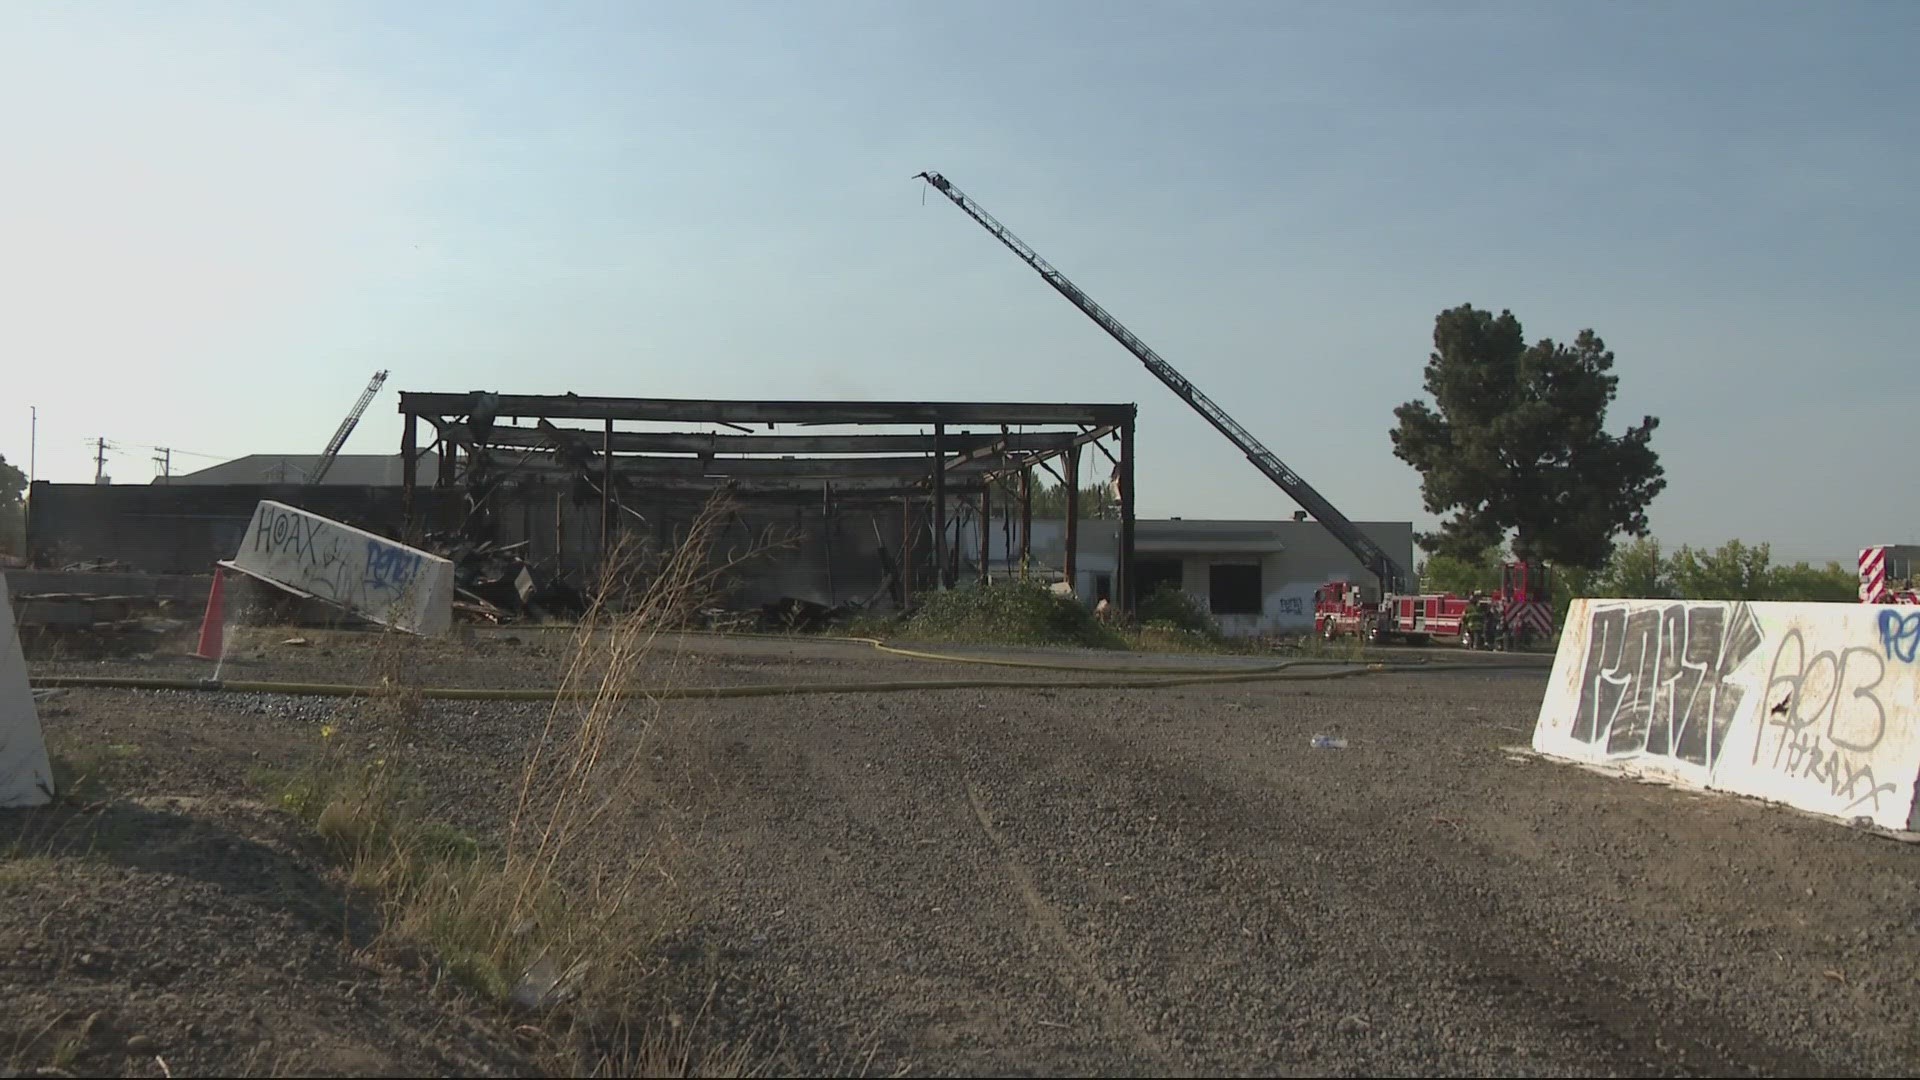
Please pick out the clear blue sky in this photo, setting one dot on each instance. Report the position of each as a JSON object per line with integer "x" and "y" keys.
{"x": 218, "y": 220}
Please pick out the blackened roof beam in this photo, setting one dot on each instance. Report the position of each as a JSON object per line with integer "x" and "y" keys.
{"x": 573, "y": 407}
{"x": 688, "y": 442}
{"x": 902, "y": 468}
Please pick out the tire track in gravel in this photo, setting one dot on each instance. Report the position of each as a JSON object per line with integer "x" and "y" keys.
{"x": 1191, "y": 888}
{"x": 866, "y": 901}
{"x": 1476, "y": 918}
{"x": 1113, "y": 1005}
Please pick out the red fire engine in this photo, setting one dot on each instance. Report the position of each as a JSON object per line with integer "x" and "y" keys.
{"x": 1887, "y": 574}
{"x": 1514, "y": 615}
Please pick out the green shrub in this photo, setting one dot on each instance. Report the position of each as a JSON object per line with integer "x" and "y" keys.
{"x": 1012, "y": 612}
{"x": 1173, "y": 608}
{"x": 440, "y": 843}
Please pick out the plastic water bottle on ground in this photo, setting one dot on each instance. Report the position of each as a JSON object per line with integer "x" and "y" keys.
{"x": 1329, "y": 742}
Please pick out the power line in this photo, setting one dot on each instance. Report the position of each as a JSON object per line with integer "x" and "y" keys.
{"x": 177, "y": 450}
{"x": 128, "y": 448}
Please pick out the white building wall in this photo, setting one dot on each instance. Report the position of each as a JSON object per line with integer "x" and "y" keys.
{"x": 1286, "y": 606}
{"x": 1310, "y": 557}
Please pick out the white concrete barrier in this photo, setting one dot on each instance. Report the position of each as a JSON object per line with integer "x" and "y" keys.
{"x": 380, "y": 579}
{"x": 1813, "y": 705}
{"x": 26, "y": 779}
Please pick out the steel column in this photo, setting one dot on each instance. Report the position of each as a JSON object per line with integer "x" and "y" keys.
{"x": 906, "y": 552}
{"x": 986, "y": 534}
{"x": 940, "y": 504}
{"x": 409, "y": 469}
{"x": 1125, "y": 593}
{"x": 1026, "y": 519}
{"x": 606, "y": 495}
{"x": 1073, "y": 519}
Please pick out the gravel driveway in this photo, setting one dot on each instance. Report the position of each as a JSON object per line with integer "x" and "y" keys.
{"x": 1041, "y": 881}
{"x": 1137, "y": 883}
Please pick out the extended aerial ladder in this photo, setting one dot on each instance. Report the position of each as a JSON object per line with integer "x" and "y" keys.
{"x": 346, "y": 428}
{"x": 1371, "y": 555}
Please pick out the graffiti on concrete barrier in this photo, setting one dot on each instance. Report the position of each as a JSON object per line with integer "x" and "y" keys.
{"x": 1823, "y": 716}
{"x": 1657, "y": 681}
{"x": 1815, "y": 705}
{"x": 334, "y": 564}
{"x": 1900, "y": 635}
{"x": 390, "y": 567}
{"x": 277, "y": 531}
{"x": 366, "y": 573}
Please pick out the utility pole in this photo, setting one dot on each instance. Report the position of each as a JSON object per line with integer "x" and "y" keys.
{"x": 33, "y": 462}
{"x": 100, "y": 461}
{"x": 164, "y": 459}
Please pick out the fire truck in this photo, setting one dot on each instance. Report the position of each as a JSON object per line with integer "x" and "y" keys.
{"x": 1520, "y": 606}
{"x": 1517, "y": 614}
{"x": 1887, "y": 574}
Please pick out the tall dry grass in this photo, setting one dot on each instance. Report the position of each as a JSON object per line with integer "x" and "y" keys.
{"x": 559, "y": 918}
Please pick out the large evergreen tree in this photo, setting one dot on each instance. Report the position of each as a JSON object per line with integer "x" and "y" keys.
{"x": 13, "y": 524}
{"x": 1515, "y": 447}
{"x": 13, "y": 484}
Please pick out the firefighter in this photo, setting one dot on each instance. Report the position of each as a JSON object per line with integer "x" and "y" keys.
{"x": 1473, "y": 624}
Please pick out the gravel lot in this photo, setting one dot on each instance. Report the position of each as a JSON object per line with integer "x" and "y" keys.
{"x": 505, "y": 657}
{"x": 1002, "y": 882}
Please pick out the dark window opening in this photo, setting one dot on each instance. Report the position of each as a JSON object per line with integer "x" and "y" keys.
{"x": 1899, "y": 567}
{"x": 1153, "y": 574}
{"x": 1234, "y": 589}
{"x": 1103, "y": 588}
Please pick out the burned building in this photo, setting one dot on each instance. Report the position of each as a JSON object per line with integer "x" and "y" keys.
{"x": 866, "y": 499}
{"x": 877, "y": 506}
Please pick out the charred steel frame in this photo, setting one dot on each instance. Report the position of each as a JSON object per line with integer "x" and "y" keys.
{"x": 482, "y": 437}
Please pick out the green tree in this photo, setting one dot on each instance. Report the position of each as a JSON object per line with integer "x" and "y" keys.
{"x": 1461, "y": 576}
{"x": 1637, "y": 569}
{"x": 1834, "y": 584}
{"x": 13, "y": 519}
{"x": 1050, "y": 500}
{"x": 13, "y": 484}
{"x": 1732, "y": 571}
{"x": 1568, "y": 582}
{"x": 1515, "y": 443}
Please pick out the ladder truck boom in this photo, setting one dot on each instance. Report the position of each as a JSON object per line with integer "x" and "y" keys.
{"x": 1370, "y": 554}
{"x": 346, "y": 427}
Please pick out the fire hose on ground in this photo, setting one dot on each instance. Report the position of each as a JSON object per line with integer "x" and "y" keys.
{"x": 1115, "y": 677}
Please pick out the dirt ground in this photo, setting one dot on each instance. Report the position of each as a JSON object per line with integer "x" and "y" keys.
{"x": 1024, "y": 881}
{"x": 537, "y": 657}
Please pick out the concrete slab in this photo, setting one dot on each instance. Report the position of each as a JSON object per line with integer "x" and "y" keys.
{"x": 180, "y": 588}
{"x": 370, "y": 575}
{"x": 26, "y": 777}
{"x": 1812, "y": 705}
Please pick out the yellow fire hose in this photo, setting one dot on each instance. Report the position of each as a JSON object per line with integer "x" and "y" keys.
{"x": 1114, "y": 678}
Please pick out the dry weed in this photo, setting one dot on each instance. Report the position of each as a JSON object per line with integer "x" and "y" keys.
{"x": 396, "y": 703}
{"x": 562, "y": 921}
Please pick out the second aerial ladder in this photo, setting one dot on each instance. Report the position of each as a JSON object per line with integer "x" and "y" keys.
{"x": 1371, "y": 555}
{"x": 1520, "y": 605}
{"x": 346, "y": 427}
